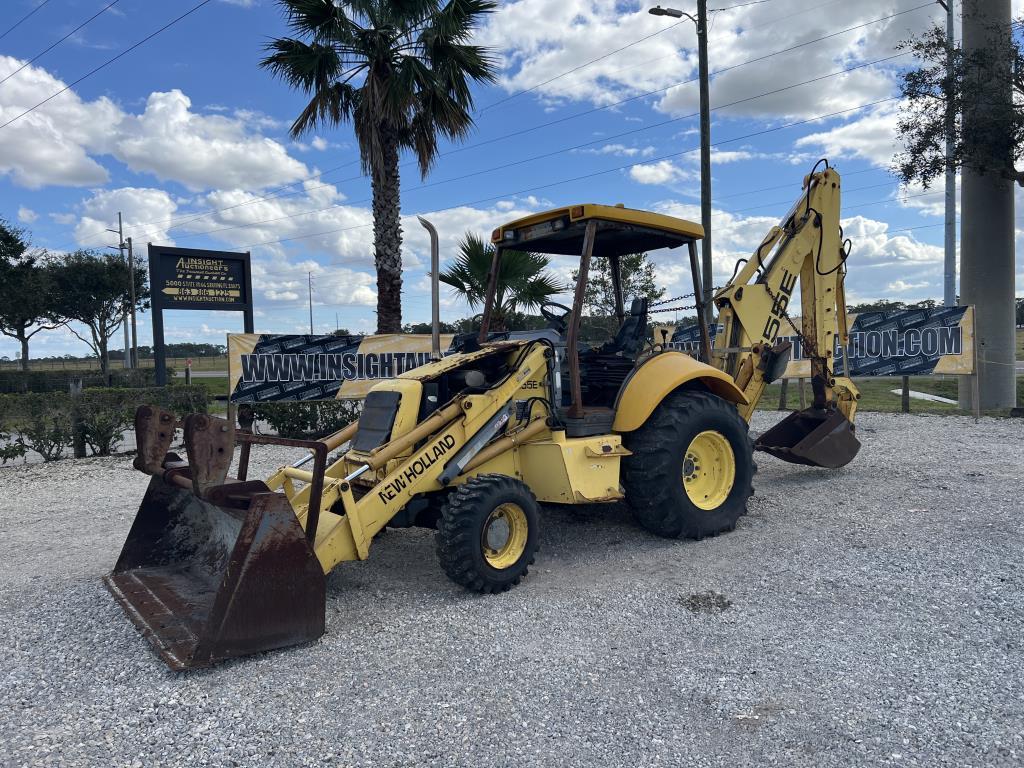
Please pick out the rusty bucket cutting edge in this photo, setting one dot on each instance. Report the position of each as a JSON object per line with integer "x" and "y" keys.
{"x": 812, "y": 437}
{"x": 205, "y": 582}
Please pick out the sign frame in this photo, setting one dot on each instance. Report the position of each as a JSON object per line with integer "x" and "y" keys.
{"x": 159, "y": 302}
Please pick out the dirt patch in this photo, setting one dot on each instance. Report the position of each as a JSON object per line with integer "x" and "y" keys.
{"x": 711, "y": 603}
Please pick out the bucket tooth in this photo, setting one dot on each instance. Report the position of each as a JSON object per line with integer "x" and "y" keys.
{"x": 210, "y": 445}
{"x": 205, "y": 582}
{"x": 154, "y": 432}
{"x": 815, "y": 437}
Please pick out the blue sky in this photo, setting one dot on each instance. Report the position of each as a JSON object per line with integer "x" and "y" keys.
{"x": 185, "y": 135}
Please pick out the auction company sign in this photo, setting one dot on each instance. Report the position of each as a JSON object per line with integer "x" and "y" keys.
{"x": 264, "y": 368}
{"x": 905, "y": 342}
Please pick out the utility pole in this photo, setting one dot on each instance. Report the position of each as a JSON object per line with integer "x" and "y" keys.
{"x": 949, "y": 270}
{"x": 309, "y": 275}
{"x": 987, "y": 221}
{"x": 131, "y": 293}
{"x": 120, "y": 247}
{"x": 701, "y": 22}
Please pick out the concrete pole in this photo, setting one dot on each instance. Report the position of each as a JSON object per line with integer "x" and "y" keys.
{"x": 131, "y": 294}
{"x": 705, "y": 157}
{"x": 949, "y": 277}
{"x": 124, "y": 322}
{"x": 987, "y": 224}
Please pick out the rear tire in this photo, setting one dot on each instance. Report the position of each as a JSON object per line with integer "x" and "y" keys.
{"x": 488, "y": 533}
{"x": 692, "y": 467}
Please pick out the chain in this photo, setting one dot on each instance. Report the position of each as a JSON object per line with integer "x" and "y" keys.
{"x": 668, "y": 301}
{"x": 651, "y": 305}
{"x": 673, "y": 309}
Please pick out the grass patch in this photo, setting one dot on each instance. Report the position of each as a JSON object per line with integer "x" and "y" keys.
{"x": 876, "y": 395}
{"x": 215, "y": 385}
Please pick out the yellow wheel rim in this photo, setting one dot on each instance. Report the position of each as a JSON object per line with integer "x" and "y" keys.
{"x": 709, "y": 470}
{"x": 504, "y": 536}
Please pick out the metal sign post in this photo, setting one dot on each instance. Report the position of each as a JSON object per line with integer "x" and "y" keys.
{"x": 189, "y": 278}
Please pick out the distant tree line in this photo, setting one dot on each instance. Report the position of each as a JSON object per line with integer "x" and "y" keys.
{"x": 44, "y": 291}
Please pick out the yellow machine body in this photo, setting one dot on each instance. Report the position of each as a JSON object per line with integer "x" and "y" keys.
{"x": 661, "y": 374}
{"x": 487, "y": 431}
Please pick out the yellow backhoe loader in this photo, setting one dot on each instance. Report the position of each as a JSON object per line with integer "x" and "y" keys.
{"x": 217, "y": 566}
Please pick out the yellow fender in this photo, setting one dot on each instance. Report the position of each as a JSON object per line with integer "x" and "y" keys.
{"x": 657, "y": 377}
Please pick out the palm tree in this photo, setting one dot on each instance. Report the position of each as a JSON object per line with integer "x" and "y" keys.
{"x": 400, "y": 72}
{"x": 522, "y": 280}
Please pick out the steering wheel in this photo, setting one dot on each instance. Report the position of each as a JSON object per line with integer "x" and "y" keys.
{"x": 557, "y": 322}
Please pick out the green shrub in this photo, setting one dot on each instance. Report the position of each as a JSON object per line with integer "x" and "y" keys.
{"x": 60, "y": 381}
{"x": 310, "y": 419}
{"x": 105, "y": 414}
{"x": 11, "y": 449}
{"x": 45, "y": 421}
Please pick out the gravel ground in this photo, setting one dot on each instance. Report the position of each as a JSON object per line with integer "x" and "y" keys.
{"x": 870, "y": 616}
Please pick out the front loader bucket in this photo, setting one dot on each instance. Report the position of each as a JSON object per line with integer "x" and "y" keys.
{"x": 207, "y": 581}
{"x": 817, "y": 437}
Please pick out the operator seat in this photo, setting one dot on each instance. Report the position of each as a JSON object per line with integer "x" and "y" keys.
{"x": 630, "y": 337}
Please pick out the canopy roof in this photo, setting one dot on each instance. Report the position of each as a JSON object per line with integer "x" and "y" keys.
{"x": 620, "y": 231}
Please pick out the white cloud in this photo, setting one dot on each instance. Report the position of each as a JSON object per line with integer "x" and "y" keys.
{"x": 879, "y": 260}
{"x": 284, "y": 283}
{"x": 620, "y": 150}
{"x": 26, "y": 215}
{"x": 201, "y": 151}
{"x": 870, "y": 137}
{"x": 555, "y": 36}
{"x": 99, "y": 213}
{"x": 59, "y": 143}
{"x": 899, "y": 286}
{"x": 50, "y": 144}
{"x": 661, "y": 172}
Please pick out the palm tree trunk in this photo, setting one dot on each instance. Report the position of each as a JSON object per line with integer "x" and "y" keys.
{"x": 387, "y": 240}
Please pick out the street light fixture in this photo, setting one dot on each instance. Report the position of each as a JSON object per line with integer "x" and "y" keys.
{"x": 131, "y": 349}
{"x": 701, "y": 22}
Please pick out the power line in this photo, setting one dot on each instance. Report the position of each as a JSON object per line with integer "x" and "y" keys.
{"x": 578, "y": 68}
{"x": 790, "y": 185}
{"x": 190, "y": 217}
{"x": 54, "y": 45}
{"x": 108, "y": 62}
{"x": 23, "y": 19}
{"x": 782, "y": 202}
{"x": 718, "y": 71}
{"x": 733, "y": 7}
{"x": 550, "y": 154}
{"x": 584, "y": 176}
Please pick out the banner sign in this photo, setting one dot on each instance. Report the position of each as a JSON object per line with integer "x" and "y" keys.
{"x": 904, "y": 342}
{"x": 264, "y": 368}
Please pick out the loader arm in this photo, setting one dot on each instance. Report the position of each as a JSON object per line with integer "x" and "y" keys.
{"x": 805, "y": 251}
{"x": 441, "y": 449}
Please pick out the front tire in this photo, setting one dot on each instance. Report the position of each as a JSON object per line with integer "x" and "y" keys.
{"x": 488, "y": 533}
{"x": 692, "y": 467}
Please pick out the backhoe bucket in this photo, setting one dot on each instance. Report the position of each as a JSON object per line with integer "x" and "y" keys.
{"x": 207, "y": 579}
{"x": 816, "y": 437}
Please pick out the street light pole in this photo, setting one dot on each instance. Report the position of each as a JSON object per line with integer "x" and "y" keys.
{"x": 949, "y": 270}
{"x": 131, "y": 282}
{"x": 701, "y": 22}
{"x": 309, "y": 276}
{"x": 127, "y": 363}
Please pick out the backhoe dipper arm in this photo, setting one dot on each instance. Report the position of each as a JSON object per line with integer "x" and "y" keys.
{"x": 754, "y": 308}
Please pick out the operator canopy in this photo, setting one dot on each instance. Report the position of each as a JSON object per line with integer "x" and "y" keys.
{"x": 619, "y": 231}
